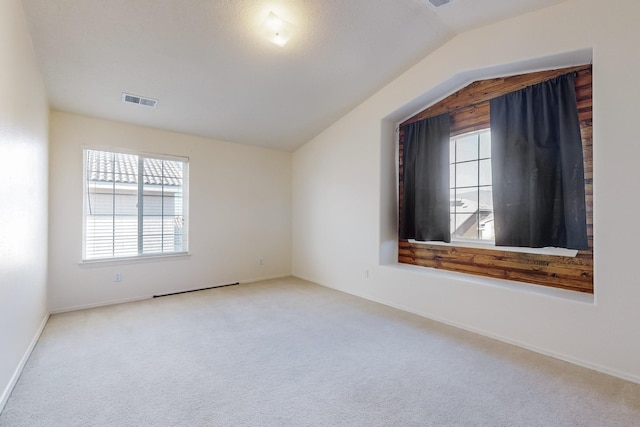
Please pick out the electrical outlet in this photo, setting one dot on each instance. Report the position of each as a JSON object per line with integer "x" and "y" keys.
{"x": 117, "y": 277}
{"x": 261, "y": 261}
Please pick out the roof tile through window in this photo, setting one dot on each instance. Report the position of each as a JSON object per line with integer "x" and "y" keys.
{"x": 123, "y": 168}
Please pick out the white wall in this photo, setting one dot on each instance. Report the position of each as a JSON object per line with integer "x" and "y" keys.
{"x": 23, "y": 195}
{"x": 344, "y": 197}
{"x": 240, "y": 211}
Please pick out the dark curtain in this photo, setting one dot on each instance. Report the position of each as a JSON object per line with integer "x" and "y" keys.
{"x": 538, "y": 172}
{"x": 425, "y": 210}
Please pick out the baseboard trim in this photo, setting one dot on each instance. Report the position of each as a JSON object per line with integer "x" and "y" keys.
{"x": 18, "y": 371}
{"x": 99, "y": 304}
{"x": 260, "y": 279}
{"x": 575, "y": 361}
{"x": 143, "y": 297}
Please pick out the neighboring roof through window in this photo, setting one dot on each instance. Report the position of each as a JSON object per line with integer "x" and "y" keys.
{"x": 123, "y": 168}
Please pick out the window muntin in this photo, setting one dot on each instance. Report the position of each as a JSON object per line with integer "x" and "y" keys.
{"x": 471, "y": 209}
{"x": 134, "y": 205}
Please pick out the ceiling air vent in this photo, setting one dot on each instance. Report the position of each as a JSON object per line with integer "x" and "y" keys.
{"x": 438, "y": 3}
{"x": 135, "y": 99}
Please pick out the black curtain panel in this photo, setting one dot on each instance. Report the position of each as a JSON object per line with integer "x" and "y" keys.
{"x": 538, "y": 172}
{"x": 425, "y": 209}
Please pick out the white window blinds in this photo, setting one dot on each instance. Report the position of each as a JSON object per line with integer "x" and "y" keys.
{"x": 134, "y": 205}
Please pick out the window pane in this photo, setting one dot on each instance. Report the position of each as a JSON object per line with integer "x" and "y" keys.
{"x": 485, "y": 172}
{"x": 452, "y": 152}
{"x": 466, "y": 226}
{"x": 467, "y": 213}
{"x": 471, "y": 202}
{"x": 452, "y": 175}
{"x": 467, "y": 200}
{"x": 125, "y": 235}
{"x": 486, "y": 226}
{"x": 152, "y": 234}
{"x": 485, "y": 214}
{"x": 467, "y": 174}
{"x": 125, "y": 200}
{"x": 467, "y": 148}
{"x": 452, "y": 201}
{"x": 162, "y": 206}
{"x": 125, "y": 229}
{"x": 113, "y": 209}
{"x": 485, "y": 144}
{"x": 485, "y": 195}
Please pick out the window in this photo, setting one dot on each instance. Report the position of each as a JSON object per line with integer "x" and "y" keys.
{"x": 470, "y": 181}
{"x": 134, "y": 205}
{"x": 469, "y": 114}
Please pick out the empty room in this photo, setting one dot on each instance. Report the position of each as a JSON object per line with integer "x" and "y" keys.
{"x": 319, "y": 213}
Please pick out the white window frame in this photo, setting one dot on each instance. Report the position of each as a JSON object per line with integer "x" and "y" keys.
{"x": 185, "y": 207}
{"x": 453, "y": 186}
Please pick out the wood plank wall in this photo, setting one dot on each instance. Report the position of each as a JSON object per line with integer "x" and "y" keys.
{"x": 469, "y": 109}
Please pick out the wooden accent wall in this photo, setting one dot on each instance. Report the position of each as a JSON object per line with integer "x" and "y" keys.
{"x": 469, "y": 110}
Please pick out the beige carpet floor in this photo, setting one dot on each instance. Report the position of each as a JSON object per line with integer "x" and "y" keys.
{"x": 290, "y": 353}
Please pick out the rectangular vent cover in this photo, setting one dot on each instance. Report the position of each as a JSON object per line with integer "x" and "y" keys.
{"x": 438, "y": 3}
{"x": 135, "y": 99}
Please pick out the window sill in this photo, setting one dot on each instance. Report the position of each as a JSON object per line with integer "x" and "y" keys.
{"x": 570, "y": 253}
{"x": 132, "y": 260}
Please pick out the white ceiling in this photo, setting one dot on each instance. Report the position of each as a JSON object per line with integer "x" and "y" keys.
{"x": 216, "y": 76}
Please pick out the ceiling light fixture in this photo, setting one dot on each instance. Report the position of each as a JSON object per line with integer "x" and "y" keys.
{"x": 277, "y": 30}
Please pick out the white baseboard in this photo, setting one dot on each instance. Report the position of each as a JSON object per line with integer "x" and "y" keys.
{"x": 143, "y": 297}
{"x": 98, "y": 304}
{"x": 536, "y": 349}
{"x": 575, "y": 361}
{"x": 16, "y": 374}
{"x": 260, "y": 279}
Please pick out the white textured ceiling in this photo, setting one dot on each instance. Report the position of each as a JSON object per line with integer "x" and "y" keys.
{"x": 215, "y": 75}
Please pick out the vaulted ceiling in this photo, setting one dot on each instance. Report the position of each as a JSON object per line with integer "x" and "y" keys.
{"x": 214, "y": 73}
